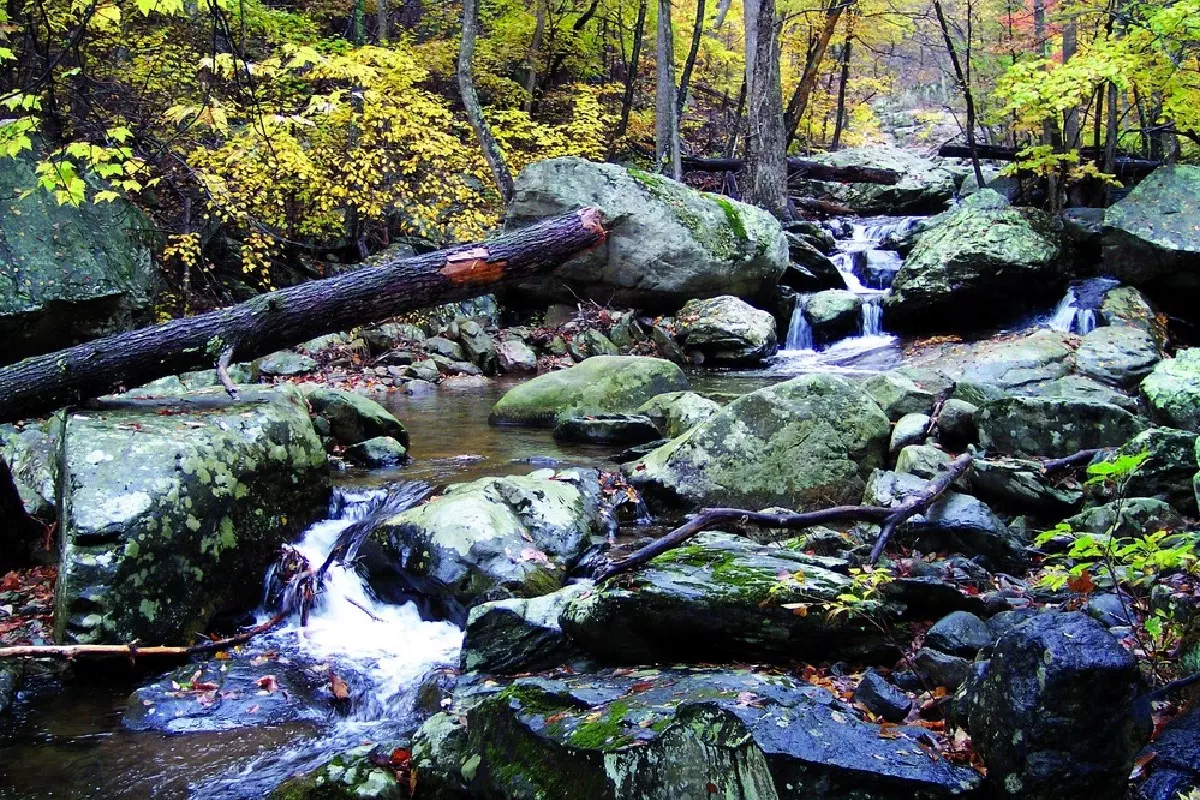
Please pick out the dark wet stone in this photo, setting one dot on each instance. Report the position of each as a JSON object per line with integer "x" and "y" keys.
{"x": 959, "y": 634}
{"x": 621, "y": 429}
{"x": 881, "y": 698}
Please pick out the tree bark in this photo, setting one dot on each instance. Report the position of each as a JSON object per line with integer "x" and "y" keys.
{"x": 964, "y": 86}
{"x": 722, "y": 12}
{"x": 840, "y": 124}
{"x": 766, "y": 140}
{"x": 688, "y": 65}
{"x": 290, "y": 316}
{"x": 383, "y": 20}
{"x": 1070, "y": 44}
{"x": 812, "y": 69}
{"x": 18, "y": 529}
{"x": 666, "y": 121}
{"x": 470, "y": 98}
{"x": 639, "y": 30}
{"x": 535, "y": 49}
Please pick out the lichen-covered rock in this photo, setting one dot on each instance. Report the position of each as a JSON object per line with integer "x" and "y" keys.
{"x": 607, "y": 429}
{"x": 976, "y": 267}
{"x": 32, "y": 458}
{"x": 1173, "y": 389}
{"x": 285, "y": 364}
{"x": 1125, "y": 305}
{"x": 1053, "y": 427}
{"x": 721, "y": 597}
{"x": 515, "y": 357}
{"x": 1131, "y": 516}
{"x": 354, "y": 418}
{"x": 725, "y": 330}
{"x": 1007, "y": 365}
{"x": 909, "y": 430}
{"x": 477, "y": 345}
{"x": 604, "y": 384}
{"x": 163, "y": 517}
{"x": 507, "y": 637}
{"x": 898, "y": 395}
{"x": 491, "y": 539}
{"x": 675, "y": 413}
{"x": 667, "y": 243}
{"x": 924, "y": 461}
{"x": 1022, "y": 485}
{"x": 378, "y": 451}
{"x": 804, "y": 443}
{"x": 1033, "y": 714}
{"x": 959, "y": 633}
{"x": 1118, "y": 354}
{"x": 925, "y": 186}
{"x": 956, "y": 424}
{"x": 1169, "y": 467}
{"x": 1151, "y": 235}
{"x": 833, "y": 314}
{"x": 67, "y": 273}
{"x": 683, "y": 733}
{"x": 351, "y": 775}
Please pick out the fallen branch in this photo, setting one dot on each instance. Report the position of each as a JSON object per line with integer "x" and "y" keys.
{"x": 938, "y": 404}
{"x": 134, "y": 651}
{"x": 290, "y": 316}
{"x": 1123, "y": 167}
{"x": 800, "y": 168}
{"x": 825, "y": 208}
{"x": 710, "y": 518}
{"x": 1079, "y": 459}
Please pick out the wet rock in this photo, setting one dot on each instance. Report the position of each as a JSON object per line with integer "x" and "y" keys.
{"x": 1008, "y": 365}
{"x": 956, "y": 522}
{"x": 595, "y": 343}
{"x": 1169, "y": 468}
{"x": 378, "y": 451}
{"x": 604, "y": 384}
{"x": 363, "y": 772}
{"x": 444, "y": 347}
{"x": 1132, "y": 516}
{"x": 833, "y": 314}
{"x": 67, "y": 272}
{"x": 1174, "y": 760}
{"x": 163, "y": 517}
{"x": 477, "y": 345}
{"x": 675, "y": 413}
{"x": 31, "y": 455}
{"x": 1173, "y": 390}
{"x": 506, "y": 637}
{"x": 959, "y": 634}
{"x": 881, "y": 698}
{"x": 1082, "y": 388}
{"x": 1109, "y": 609}
{"x": 514, "y": 356}
{"x": 806, "y": 442}
{"x": 1118, "y": 355}
{"x": 725, "y": 330}
{"x": 285, "y": 364}
{"x": 621, "y": 429}
{"x": 685, "y": 733}
{"x": 931, "y": 596}
{"x": 426, "y": 370}
{"x": 417, "y": 386}
{"x": 909, "y": 430}
{"x": 956, "y": 425}
{"x": 10, "y": 682}
{"x": 1022, "y": 485}
{"x": 1033, "y": 714}
{"x": 925, "y": 186}
{"x": 898, "y": 395}
{"x": 976, "y": 267}
{"x": 354, "y": 418}
{"x": 719, "y": 596}
{"x": 1150, "y": 234}
{"x": 626, "y": 333}
{"x": 924, "y": 461}
{"x": 810, "y": 269}
{"x": 491, "y": 539}
{"x": 936, "y": 668}
{"x": 1053, "y": 427}
{"x": 668, "y": 243}
{"x": 1125, "y": 305}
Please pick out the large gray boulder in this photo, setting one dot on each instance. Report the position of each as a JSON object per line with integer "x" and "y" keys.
{"x": 976, "y": 267}
{"x": 1033, "y": 714}
{"x": 507, "y": 637}
{"x": 167, "y": 520}
{"x": 1118, "y": 354}
{"x": 833, "y": 314}
{"x": 1151, "y": 236}
{"x": 725, "y": 330}
{"x": 808, "y": 442}
{"x": 67, "y": 273}
{"x": 598, "y": 385}
{"x": 1173, "y": 389}
{"x": 925, "y": 186}
{"x": 354, "y": 418}
{"x": 1052, "y": 427}
{"x": 668, "y": 243}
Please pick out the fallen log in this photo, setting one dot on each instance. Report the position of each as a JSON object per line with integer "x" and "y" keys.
{"x": 1082, "y": 458}
{"x": 1124, "y": 166}
{"x": 800, "y": 168}
{"x": 890, "y": 518}
{"x": 290, "y": 316}
{"x": 824, "y": 208}
{"x": 133, "y": 651}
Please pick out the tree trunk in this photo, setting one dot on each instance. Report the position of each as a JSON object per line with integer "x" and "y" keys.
{"x": 964, "y": 86}
{"x": 535, "y": 48}
{"x": 358, "y": 23}
{"x": 470, "y": 98}
{"x": 801, "y": 168}
{"x": 631, "y": 74}
{"x": 1070, "y": 38}
{"x": 690, "y": 63}
{"x": 383, "y": 20}
{"x": 666, "y": 121}
{"x": 812, "y": 69}
{"x": 766, "y": 140}
{"x": 722, "y": 12}
{"x": 290, "y": 316}
{"x": 840, "y": 124}
{"x": 1110, "y": 141}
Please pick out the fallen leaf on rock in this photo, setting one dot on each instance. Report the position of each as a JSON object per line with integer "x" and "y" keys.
{"x": 268, "y": 683}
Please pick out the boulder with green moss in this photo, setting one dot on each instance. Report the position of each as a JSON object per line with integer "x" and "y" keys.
{"x": 675, "y": 413}
{"x": 722, "y": 597}
{"x": 358, "y": 774}
{"x": 1150, "y": 235}
{"x": 67, "y": 273}
{"x": 809, "y": 442}
{"x": 725, "y": 330}
{"x": 667, "y": 243}
{"x": 169, "y": 519}
{"x": 668, "y": 734}
{"x": 1173, "y": 389}
{"x": 598, "y": 385}
{"x": 507, "y": 637}
{"x": 354, "y": 418}
{"x": 489, "y": 539}
{"x": 1053, "y": 427}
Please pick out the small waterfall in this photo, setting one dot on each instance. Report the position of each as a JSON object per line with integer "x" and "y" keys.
{"x": 799, "y": 335}
{"x": 1076, "y": 312}
{"x": 872, "y": 316}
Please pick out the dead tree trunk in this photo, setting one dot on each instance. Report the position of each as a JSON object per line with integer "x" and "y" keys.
{"x": 631, "y": 73}
{"x": 470, "y": 98}
{"x": 666, "y": 121}
{"x": 290, "y": 316}
{"x": 964, "y": 85}
{"x": 690, "y": 63}
{"x": 801, "y": 168}
{"x": 812, "y": 68}
{"x": 535, "y": 51}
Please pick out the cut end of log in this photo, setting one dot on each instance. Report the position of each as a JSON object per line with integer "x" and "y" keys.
{"x": 593, "y": 221}
{"x": 473, "y": 266}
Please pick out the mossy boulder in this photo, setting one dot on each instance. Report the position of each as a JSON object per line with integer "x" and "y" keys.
{"x": 898, "y": 395}
{"x": 378, "y": 451}
{"x": 1173, "y": 389}
{"x": 675, "y": 413}
{"x": 1169, "y": 468}
{"x": 286, "y": 364}
{"x": 721, "y": 597}
{"x": 925, "y": 185}
{"x": 667, "y": 243}
{"x": 67, "y": 273}
{"x": 1150, "y": 235}
{"x": 598, "y": 385}
{"x": 725, "y": 330}
{"x": 507, "y": 637}
{"x": 1053, "y": 427}
{"x": 677, "y": 733}
{"x": 354, "y": 418}
{"x": 978, "y": 266}
{"x": 804, "y": 443}
{"x": 833, "y": 314}
{"x": 168, "y": 519}
{"x": 490, "y": 539}
{"x": 356, "y": 774}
